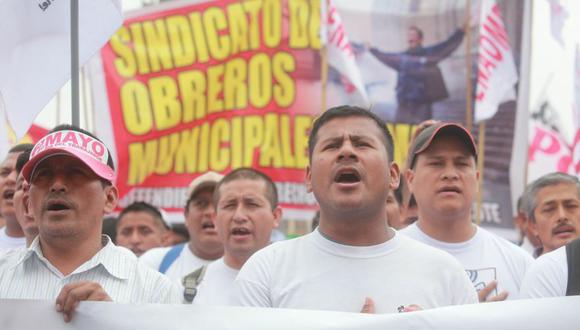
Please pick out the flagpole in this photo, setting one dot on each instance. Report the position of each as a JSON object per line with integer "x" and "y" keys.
{"x": 74, "y": 70}
{"x": 323, "y": 76}
{"x": 480, "y": 161}
{"x": 468, "y": 100}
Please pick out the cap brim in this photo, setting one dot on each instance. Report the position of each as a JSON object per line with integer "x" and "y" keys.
{"x": 454, "y": 128}
{"x": 100, "y": 169}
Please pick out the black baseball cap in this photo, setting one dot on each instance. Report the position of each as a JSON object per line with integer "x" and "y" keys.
{"x": 429, "y": 134}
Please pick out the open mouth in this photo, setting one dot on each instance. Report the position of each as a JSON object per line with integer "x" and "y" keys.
{"x": 208, "y": 225}
{"x": 57, "y": 206}
{"x": 8, "y": 194}
{"x": 347, "y": 176}
{"x": 240, "y": 231}
{"x": 451, "y": 189}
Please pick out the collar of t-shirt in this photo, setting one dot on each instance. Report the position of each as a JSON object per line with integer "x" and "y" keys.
{"x": 455, "y": 247}
{"x": 351, "y": 251}
{"x": 108, "y": 257}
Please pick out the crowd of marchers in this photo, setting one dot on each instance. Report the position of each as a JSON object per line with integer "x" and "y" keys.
{"x": 388, "y": 237}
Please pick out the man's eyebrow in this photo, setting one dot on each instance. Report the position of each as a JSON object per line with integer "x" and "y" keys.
{"x": 332, "y": 139}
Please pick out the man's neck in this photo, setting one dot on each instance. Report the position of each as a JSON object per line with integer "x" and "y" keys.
{"x": 447, "y": 229}
{"x": 205, "y": 255}
{"x": 67, "y": 255}
{"x": 13, "y": 228}
{"x": 235, "y": 262}
{"x": 356, "y": 231}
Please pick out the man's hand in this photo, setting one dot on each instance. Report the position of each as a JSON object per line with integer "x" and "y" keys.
{"x": 71, "y": 294}
{"x": 487, "y": 290}
{"x": 412, "y": 308}
{"x": 368, "y": 307}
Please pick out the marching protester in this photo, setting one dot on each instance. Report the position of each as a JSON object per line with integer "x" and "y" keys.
{"x": 443, "y": 178}
{"x": 203, "y": 246}
{"x": 554, "y": 274}
{"x": 527, "y": 241}
{"x": 141, "y": 227}
{"x": 401, "y": 206}
{"x": 71, "y": 175}
{"x": 25, "y": 219}
{"x": 552, "y": 205}
{"x": 353, "y": 261}
{"x": 247, "y": 211}
{"x": 11, "y": 235}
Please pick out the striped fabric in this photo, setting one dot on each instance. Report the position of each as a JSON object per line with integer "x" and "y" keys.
{"x": 26, "y": 274}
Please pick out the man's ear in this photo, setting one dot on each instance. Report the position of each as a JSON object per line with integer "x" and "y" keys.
{"x": 308, "y": 179}
{"x": 410, "y": 176}
{"x": 533, "y": 228}
{"x": 111, "y": 198}
{"x": 277, "y": 216}
{"x": 395, "y": 176}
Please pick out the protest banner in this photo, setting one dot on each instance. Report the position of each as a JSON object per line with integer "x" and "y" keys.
{"x": 418, "y": 70}
{"x": 547, "y": 313}
{"x": 213, "y": 86}
{"x": 554, "y": 92}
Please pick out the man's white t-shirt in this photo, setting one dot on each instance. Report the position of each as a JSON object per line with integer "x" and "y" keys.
{"x": 547, "y": 277}
{"x": 184, "y": 264}
{"x": 485, "y": 257}
{"x": 216, "y": 286}
{"x": 9, "y": 243}
{"x": 313, "y": 272}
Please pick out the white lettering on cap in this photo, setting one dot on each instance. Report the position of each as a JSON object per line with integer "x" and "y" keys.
{"x": 67, "y": 140}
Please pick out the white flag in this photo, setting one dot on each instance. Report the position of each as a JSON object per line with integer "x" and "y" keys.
{"x": 339, "y": 50}
{"x": 497, "y": 73}
{"x": 35, "y": 50}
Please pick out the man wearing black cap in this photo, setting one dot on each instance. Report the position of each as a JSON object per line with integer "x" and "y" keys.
{"x": 71, "y": 175}
{"x": 443, "y": 178}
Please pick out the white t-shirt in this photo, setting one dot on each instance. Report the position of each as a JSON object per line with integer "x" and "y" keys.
{"x": 216, "y": 286}
{"x": 9, "y": 243}
{"x": 547, "y": 277}
{"x": 312, "y": 272}
{"x": 485, "y": 257}
{"x": 184, "y": 264}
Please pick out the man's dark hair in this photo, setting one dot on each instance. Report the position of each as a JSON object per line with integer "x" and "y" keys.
{"x": 22, "y": 160}
{"x": 22, "y": 147}
{"x": 110, "y": 228}
{"x": 416, "y": 29}
{"x": 249, "y": 174}
{"x": 144, "y": 207}
{"x": 344, "y": 111}
{"x": 68, "y": 127}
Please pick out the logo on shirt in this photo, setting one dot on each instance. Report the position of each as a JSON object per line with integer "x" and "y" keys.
{"x": 482, "y": 277}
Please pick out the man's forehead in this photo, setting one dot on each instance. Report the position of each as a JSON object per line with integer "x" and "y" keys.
{"x": 10, "y": 159}
{"x": 554, "y": 192}
{"x": 355, "y": 127}
{"x": 203, "y": 193}
{"x": 250, "y": 183}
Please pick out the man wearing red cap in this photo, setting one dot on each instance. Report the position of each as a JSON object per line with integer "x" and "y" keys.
{"x": 443, "y": 178}
{"x": 71, "y": 175}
